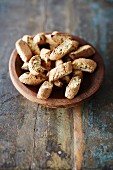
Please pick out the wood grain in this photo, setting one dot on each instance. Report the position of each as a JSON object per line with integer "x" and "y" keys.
{"x": 30, "y": 133}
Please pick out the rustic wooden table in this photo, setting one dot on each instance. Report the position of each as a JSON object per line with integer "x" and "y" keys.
{"x": 39, "y": 138}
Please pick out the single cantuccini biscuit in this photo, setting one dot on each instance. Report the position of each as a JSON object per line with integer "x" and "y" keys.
{"x": 45, "y": 90}
{"x": 35, "y": 65}
{"x": 58, "y": 62}
{"x": 33, "y": 46}
{"x": 84, "y": 64}
{"x": 59, "y": 37}
{"x": 23, "y": 50}
{"x": 58, "y": 83}
{"x": 84, "y": 51}
{"x": 63, "y": 49}
{"x": 78, "y": 73}
{"x": 28, "y": 78}
{"x": 60, "y": 71}
{"x": 73, "y": 87}
{"x": 25, "y": 66}
{"x": 40, "y": 39}
{"x": 45, "y": 54}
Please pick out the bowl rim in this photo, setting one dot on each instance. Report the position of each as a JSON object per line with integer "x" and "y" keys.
{"x": 52, "y": 102}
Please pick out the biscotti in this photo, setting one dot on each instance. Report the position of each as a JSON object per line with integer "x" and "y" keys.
{"x": 82, "y": 52}
{"x": 40, "y": 39}
{"x": 84, "y": 64}
{"x": 73, "y": 87}
{"x": 45, "y": 90}
{"x": 59, "y": 37}
{"x": 33, "y": 46}
{"x": 23, "y": 50}
{"x": 55, "y": 60}
{"x": 63, "y": 49}
{"x": 28, "y": 78}
{"x": 60, "y": 71}
{"x": 35, "y": 65}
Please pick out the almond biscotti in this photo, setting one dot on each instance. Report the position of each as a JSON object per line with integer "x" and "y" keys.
{"x": 84, "y": 64}
{"x": 33, "y": 46}
{"x": 82, "y": 52}
{"x": 40, "y": 39}
{"x": 23, "y": 50}
{"x": 35, "y": 65}
{"x": 29, "y": 79}
{"x": 45, "y": 90}
{"x": 59, "y": 37}
{"x": 54, "y": 59}
{"x": 73, "y": 87}
{"x": 60, "y": 71}
{"x": 63, "y": 49}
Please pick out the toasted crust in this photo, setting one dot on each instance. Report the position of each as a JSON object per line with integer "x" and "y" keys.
{"x": 40, "y": 39}
{"x": 45, "y": 54}
{"x": 35, "y": 67}
{"x": 58, "y": 62}
{"x": 28, "y": 78}
{"x": 49, "y": 39}
{"x": 63, "y": 49}
{"x": 84, "y": 51}
{"x": 25, "y": 66}
{"x": 58, "y": 83}
{"x": 33, "y": 46}
{"x": 45, "y": 90}
{"x": 53, "y": 46}
{"x": 84, "y": 64}
{"x": 59, "y": 37}
{"x": 73, "y": 87}
{"x": 60, "y": 71}
{"x": 23, "y": 50}
{"x": 78, "y": 73}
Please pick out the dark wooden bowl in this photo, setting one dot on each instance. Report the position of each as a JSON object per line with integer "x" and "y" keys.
{"x": 91, "y": 82}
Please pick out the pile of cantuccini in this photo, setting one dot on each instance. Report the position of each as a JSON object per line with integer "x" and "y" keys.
{"x": 60, "y": 63}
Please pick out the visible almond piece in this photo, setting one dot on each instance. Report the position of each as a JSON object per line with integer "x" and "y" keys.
{"x": 83, "y": 52}
{"x": 45, "y": 90}
{"x": 28, "y": 78}
{"x": 23, "y": 50}
{"x": 63, "y": 49}
{"x": 25, "y": 66}
{"x": 84, "y": 64}
{"x": 33, "y": 46}
{"x": 40, "y": 39}
{"x": 35, "y": 65}
{"x": 60, "y": 71}
{"x": 73, "y": 87}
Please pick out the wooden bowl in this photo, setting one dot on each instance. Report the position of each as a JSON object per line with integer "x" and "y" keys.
{"x": 91, "y": 82}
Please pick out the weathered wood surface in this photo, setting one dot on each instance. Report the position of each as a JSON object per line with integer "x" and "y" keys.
{"x": 39, "y": 138}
